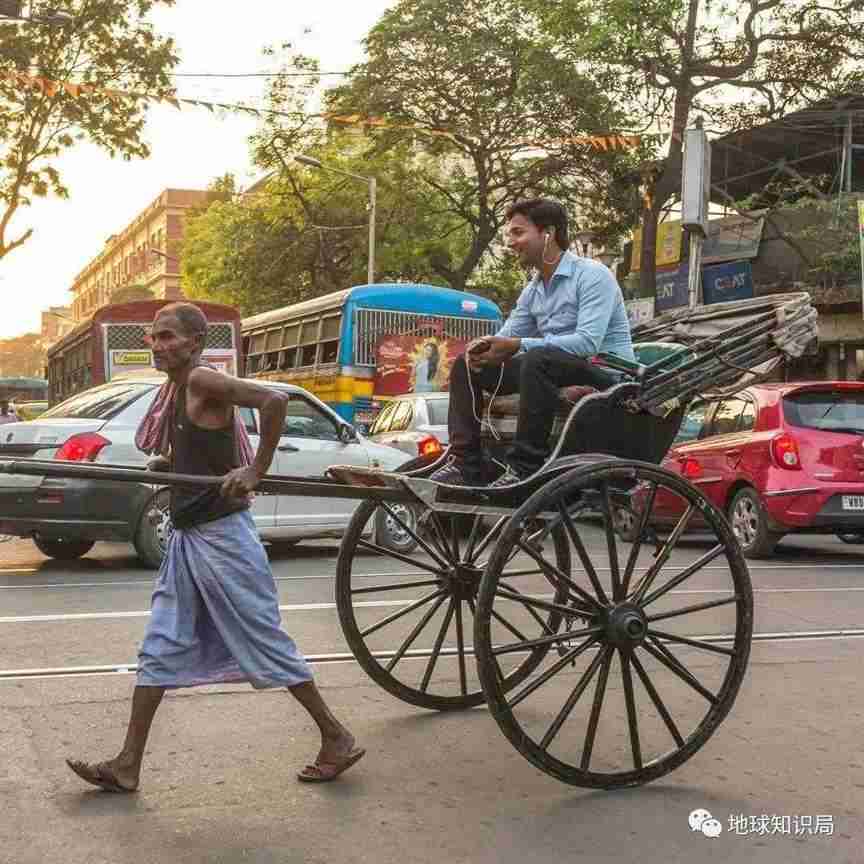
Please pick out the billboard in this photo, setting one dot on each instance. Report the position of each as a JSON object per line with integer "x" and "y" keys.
{"x": 724, "y": 282}
{"x": 668, "y": 247}
{"x": 732, "y": 238}
{"x": 120, "y": 361}
{"x": 414, "y": 364}
{"x": 672, "y": 289}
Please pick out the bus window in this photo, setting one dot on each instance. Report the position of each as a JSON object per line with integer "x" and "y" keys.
{"x": 307, "y": 357}
{"x": 330, "y": 351}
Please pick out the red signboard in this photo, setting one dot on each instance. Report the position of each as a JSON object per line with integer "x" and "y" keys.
{"x": 414, "y": 364}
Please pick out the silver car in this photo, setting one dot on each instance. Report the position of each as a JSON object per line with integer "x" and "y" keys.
{"x": 416, "y": 423}
{"x": 66, "y": 517}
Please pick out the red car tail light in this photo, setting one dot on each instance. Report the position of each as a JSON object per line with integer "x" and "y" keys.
{"x": 429, "y": 446}
{"x": 784, "y": 449}
{"x": 691, "y": 468}
{"x": 84, "y": 447}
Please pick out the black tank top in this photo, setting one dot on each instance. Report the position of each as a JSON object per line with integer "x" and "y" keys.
{"x": 196, "y": 450}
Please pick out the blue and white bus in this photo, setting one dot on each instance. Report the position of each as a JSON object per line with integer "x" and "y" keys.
{"x": 328, "y": 345}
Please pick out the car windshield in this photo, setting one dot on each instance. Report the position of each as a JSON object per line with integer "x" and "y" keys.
{"x": 99, "y": 403}
{"x": 829, "y": 411}
{"x": 437, "y": 410}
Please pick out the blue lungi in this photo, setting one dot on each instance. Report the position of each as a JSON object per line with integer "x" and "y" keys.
{"x": 214, "y": 615}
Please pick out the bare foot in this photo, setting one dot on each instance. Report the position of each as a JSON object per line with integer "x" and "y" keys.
{"x": 337, "y": 754}
{"x": 109, "y": 776}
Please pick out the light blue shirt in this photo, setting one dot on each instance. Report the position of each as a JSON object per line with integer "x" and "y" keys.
{"x": 581, "y": 311}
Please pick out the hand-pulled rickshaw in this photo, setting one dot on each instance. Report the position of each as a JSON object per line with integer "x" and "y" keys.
{"x": 605, "y": 662}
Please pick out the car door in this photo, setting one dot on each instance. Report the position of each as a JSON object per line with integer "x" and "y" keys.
{"x": 309, "y": 445}
{"x": 719, "y": 453}
{"x": 684, "y": 457}
{"x": 263, "y": 509}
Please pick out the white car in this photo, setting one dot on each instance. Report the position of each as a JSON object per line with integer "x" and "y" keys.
{"x": 66, "y": 517}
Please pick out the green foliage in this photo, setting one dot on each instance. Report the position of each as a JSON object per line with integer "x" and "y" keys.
{"x": 735, "y": 63}
{"x": 110, "y": 45}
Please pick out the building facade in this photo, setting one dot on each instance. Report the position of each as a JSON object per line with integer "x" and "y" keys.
{"x": 145, "y": 254}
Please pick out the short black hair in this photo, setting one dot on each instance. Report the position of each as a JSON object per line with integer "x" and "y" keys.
{"x": 544, "y": 213}
{"x": 192, "y": 320}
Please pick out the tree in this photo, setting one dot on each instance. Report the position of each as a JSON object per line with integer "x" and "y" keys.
{"x": 475, "y": 87}
{"x": 304, "y": 233}
{"x": 22, "y": 356}
{"x": 734, "y": 62}
{"x": 60, "y": 85}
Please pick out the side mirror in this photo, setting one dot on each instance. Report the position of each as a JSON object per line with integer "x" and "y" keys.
{"x": 347, "y": 434}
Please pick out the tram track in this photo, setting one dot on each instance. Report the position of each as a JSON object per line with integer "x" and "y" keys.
{"x": 114, "y": 669}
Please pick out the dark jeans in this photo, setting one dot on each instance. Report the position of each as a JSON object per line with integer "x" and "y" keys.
{"x": 536, "y": 376}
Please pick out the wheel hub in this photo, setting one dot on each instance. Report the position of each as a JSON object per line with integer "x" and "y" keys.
{"x": 625, "y": 625}
{"x": 465, "y": 580}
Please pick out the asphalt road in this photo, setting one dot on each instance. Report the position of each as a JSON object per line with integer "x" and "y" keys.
{"x": 783, "y": 775}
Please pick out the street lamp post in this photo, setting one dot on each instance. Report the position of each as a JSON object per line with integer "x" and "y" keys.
{"x": 373, "y": 193}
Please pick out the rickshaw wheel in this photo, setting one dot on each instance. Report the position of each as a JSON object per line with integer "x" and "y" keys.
{"x": 410, "y": 629}
{"x": 665, "y": 666}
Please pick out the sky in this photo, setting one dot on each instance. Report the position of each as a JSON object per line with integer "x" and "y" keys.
{"x": 190, "y": 147}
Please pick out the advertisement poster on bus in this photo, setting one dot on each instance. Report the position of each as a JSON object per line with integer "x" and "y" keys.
{"x": 120, "y": 361}
{"x": 414, "y": 364}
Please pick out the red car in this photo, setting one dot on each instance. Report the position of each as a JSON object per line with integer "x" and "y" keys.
{"x": 777, "y": 459}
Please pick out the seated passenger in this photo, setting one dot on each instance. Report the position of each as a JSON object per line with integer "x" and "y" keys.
{"x": 571, "y": 310}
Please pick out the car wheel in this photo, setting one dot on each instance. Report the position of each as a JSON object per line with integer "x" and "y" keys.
{"x": 390, "y": 533}
{"x": 626, "y": 523}
{"x": 154, "y": 530}
{"x": 61, "y": 548}
{"x": 749, "y": 523}
{"x": 850, "y": 537}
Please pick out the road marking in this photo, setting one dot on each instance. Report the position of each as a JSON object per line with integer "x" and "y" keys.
{"x": 315, "y": 607}
{"x": 414, "y": 654}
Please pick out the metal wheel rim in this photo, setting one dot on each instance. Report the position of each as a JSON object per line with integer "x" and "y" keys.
{"x": 396, "y": 534}
{"x": 745, "y": 521}
{"x": 643, "y": 770}
{"x": 163, "y": 527}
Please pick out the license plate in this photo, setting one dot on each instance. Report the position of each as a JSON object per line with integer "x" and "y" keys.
{"x": 853, "y": 502}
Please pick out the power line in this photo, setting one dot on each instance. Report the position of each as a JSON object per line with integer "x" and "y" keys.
{"x": 255, "y": 74}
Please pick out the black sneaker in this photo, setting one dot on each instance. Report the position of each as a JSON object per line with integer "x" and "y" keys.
{"x": 451, "y": 473}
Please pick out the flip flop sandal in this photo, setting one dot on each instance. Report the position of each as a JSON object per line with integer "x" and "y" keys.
{"x": 324, "y": 772}
{"x": 97, "y": 775}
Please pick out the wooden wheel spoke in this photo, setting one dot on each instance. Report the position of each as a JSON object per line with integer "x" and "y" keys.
{"x": 412, "y": 636}
{"x": 403, "y": 612}
{"x": 544, "y": 641}
{"x": 582, "y": 552}
{"x": 630, "y": 702}
{"x": 665, "y": 552}
{"x": 660, "y": 652}
{"x": 562, "y": 578}
{"x": 527, "y": 600}
{"x": 694, "y": 643}
{"x": 573, "y": 698}
{"x": 685, "y": 574}
{"x": 505, "y": 623}
{"x": 460, "y": 643}
{"x": 528, "y": 608}
{"x": 611, "y": 545}
{"x": 658, "y": 702}
{"x": 688, "y": 610}
{"x": 490, "y": 534}
{"x": 396, "y": 586}
{"x": 472, "y": 538}
{"x": 551, "y": 672}
{"x": 432, "y": 553}
{"x": 597, "y": 705}
{"x": 436, "y": 649}
{"x": 405, "y": 559}
{"x": 644, "y": 516}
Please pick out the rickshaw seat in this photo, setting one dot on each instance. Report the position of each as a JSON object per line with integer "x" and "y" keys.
{"x": 504, "y": 411}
